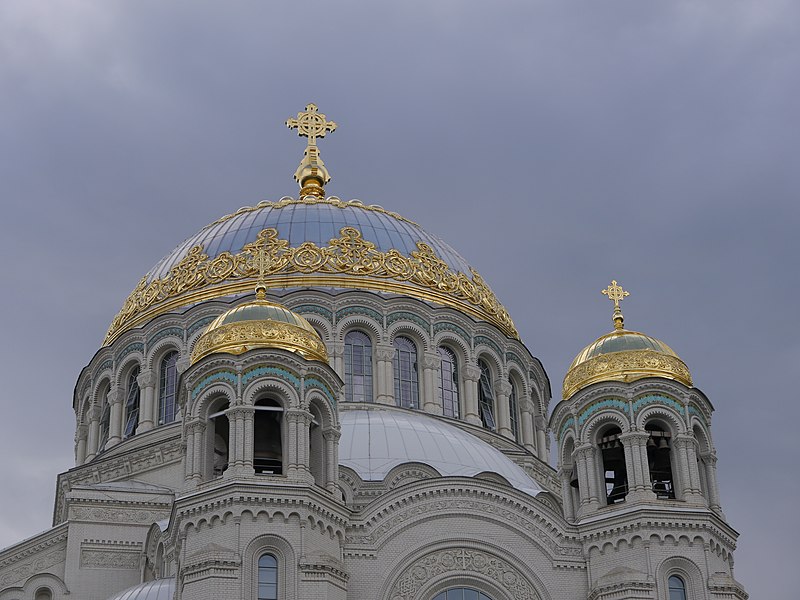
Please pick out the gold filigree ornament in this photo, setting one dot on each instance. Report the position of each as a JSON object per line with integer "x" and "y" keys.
{"x": 349, "y": 261}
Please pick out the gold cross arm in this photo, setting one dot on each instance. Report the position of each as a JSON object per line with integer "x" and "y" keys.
{"x": 311, "y": 124}
{"x": 615, "y": 293}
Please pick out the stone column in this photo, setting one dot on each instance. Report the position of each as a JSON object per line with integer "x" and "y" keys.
{"x": 710, "y": 462}
{"x": 237, "y": 440}
{"x": 81, "y": 435}
{"x": 298, "y": 422}
{"x": 502, "y": 392}
{"x": 635, "y": 445}
{"x": 471, "y": 375}
{"x": 431, "y": 362}
{"x": 331, "y": 437}
{"x": 584, "y": 462}
{"x": 248, "y": 442}
{"x": 337, "y": 359}
{"x": 384, "y": 353}
{"x": 541, "y": 437}
{"x": 114, "y": 399}
{"x": 94, "y": 432}
{"x": 685, "y": 459}
{"x": 564, "y": 475}
{"x": 195, "y": 433}
{"x": 526, "y": 419}
{"x": 147, "y": 408}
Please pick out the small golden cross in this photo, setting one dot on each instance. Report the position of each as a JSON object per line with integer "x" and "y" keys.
{"x": 311, "y": 124}
{"x": 615, "y": 293}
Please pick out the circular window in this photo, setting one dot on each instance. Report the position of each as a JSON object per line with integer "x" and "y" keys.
{"x": 461, "y": 594}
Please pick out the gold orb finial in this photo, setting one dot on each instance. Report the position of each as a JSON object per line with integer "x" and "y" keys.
{"x": 311, "y": 174}
{"x": 615, "y": 293}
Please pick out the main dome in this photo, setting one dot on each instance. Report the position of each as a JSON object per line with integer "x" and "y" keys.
{"x": 311, "y": 242}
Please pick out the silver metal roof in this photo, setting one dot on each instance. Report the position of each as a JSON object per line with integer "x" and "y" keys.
{"x": 375, "y": 441}
{"x": 160, "y": 589}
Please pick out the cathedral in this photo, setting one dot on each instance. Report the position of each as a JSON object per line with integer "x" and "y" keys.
{"x": 314, "y": 398}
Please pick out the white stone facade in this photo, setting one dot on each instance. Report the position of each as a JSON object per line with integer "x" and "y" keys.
{"x": 185, "y": 500}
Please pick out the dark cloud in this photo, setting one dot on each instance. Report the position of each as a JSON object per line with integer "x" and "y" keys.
{"x": 555, "y": 144}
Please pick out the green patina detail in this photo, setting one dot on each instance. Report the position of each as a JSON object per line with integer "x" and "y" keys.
{"x": 228, "y": 376}
{"x": 600, "y": 405}
{"x": 511, "y": 357}
{"x": 176, "y": 331}
{"x": 401, "y": 315}
{"x": 314, "y": 383}
{"x": 567, "y": 424}
{"x": 447, "y": 326}
{"x": 482, "y": 339}
{"x": 278, "y": 372}
{"x": 304, "y": 309}
{"x": 359, "y": 310}
{"x": 198, "y": 324}
{"x": 639, "y": 403}
{"x": 132, "y": 347}
{"x": 693, "y": 410}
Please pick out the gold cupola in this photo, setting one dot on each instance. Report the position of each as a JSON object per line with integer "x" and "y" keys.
{"x": 260, "y": 324}
{"x": 623, "y": 355}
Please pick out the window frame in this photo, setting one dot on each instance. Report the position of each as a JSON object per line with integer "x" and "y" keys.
{"x": 453, "y": 378}
{"x": 486, "y": 399}
{"x": 164, "y": 394}
{"x": 413, "y": 380}
{"x": 367, "y": 374}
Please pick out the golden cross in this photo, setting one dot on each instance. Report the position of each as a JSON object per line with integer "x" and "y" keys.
{"x": 311, "y": 124}
{"x": 615, "y": 293}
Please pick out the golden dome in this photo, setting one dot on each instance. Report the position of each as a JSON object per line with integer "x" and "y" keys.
{"x": 624, "y": 355}
{"x": 260, "y": 324}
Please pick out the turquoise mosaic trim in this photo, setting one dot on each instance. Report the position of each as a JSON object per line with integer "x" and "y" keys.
{"x": 198, "y": 324}
{"x": 176, "y": 331}
{"x": 314, "y": 383}
{"x": 305, "y": 309}
{"x": 401, "y": 315}
{"x": 278, "y": 372}
{"x": 447, "y": 326}
{"x": 132, "y": 347}
{"x": 601, "y": 405}
{"x": 228, "y": 376}
{"x": 693, "y": 410}
{"x": 482, "y": 339}
{"x": 640, "y": 403}
{"x": 567, "y": 424}
{"x": 105, "y": 365}
{"x": 510, "y": 356}
{"x": 359, "y": 310}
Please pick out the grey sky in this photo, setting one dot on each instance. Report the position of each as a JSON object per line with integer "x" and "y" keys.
{"x": 554, "y": 144}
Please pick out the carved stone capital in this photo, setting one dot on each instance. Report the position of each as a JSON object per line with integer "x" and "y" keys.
{"x": 182, "y": 364}
{"x": 114, "y": 396}
{"x": 146, "y": 379}
{"x": 81, "y": 432}
{"x": 502, "y": 388}
{"x": 300, "y": 416}
{"x": 634, "y": 438}
{"x": 331, "y": 435}
{"x": 384, "y": 352}
{"x": 431, "y": 360}
{"x": 471, "y": 373}
{"x": 94, "y": 412}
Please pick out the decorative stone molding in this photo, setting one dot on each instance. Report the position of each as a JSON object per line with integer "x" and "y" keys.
{"x": 459, "y": 561}
{"x": 110, "y": 555}
{"x": 37, "y": 563}
{"x": 146, "y": 379}
{"x": 471, "y": 373}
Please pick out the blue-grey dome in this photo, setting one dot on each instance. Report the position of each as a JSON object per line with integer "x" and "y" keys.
{"x": 160, "y": 589}
{"x": 318, "y": 222}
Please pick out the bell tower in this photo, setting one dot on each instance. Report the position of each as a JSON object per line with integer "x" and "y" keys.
{"x": 635, "y": 454}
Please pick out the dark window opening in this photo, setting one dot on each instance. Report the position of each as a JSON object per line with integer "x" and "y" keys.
{"x": 615, "y": 473}
{"x": 267, "y": 577}
{"x": 267, "y": 438}
{"x": 132, "y": 404}
{"x": 486, "y": 397}
{"x": 660, "y": 462}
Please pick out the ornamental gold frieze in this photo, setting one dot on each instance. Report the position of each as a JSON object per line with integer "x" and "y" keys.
{"x": 241, "y": 336}
{"x": 626, "y": 366}
{"x": 348, "y": 261}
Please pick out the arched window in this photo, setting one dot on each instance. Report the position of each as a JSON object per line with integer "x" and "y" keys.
{"x": 463, "y": 594}
{"x": 132, "y": 404}
{"x": 267, "y": 438}
{"x": 316, "y": 446}
{"x": 677, "y": 588}
{"x": 512, "y": 410}
{"x": 168, "y": 388}
{"x": 357, "y": 367}
{"x": 486, "y": 396}
{"x": 448, "y": 382}
{"x": 615, "y": 474}
{"x": 105, "y": 420}
{"x": 218, "y": 440}
{"x": 43, "y": 594}
{"x": 659, "y": 461}
{"x": 267, "y": 577}
{"x": 406, "y": 383}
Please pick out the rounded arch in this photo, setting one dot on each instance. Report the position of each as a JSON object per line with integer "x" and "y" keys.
{"x": 492, "y": 360}
{"x": 321, "y": 325}
{"x": 202, "y": 405}
{"x": 101, "y": 389}
{"x": 593, "y": 428}
{"x": 518, "y": 376}
{"x": 662, "y": 415}
{"x": 458, "y": 345}
{"x": 486, "y": 587}
{"x": 412, "y": 331}
{"x": 565, "y": 458}
{"x": 361, "y": 322}
{"x": 702, "y": 435}
{"x": 44, "y": 581}
{"x": 284, "y": 554}
{"x": 684, "y": 568}
{"x": 163, "y": 347}
{"x": 271, "y": 388}
{"x": 316, "y": 399}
